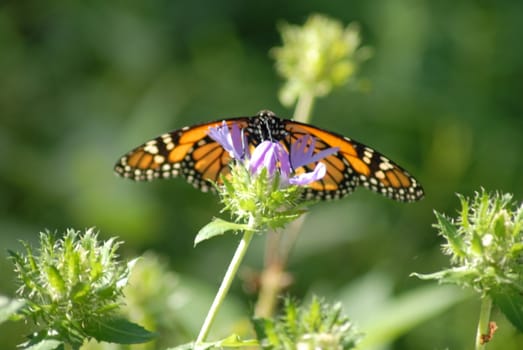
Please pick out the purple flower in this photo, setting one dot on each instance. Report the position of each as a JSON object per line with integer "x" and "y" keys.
{"x": 273, "y": 156}
{"x": 233, "y": 140}
{"x": 302, "y": 152}
{"x": 306, "y": 178}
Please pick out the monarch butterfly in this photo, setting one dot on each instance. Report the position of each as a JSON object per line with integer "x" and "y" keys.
{"x": 189, "y": 152}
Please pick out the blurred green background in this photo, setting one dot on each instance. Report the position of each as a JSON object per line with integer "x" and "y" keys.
{"x": 81, "y": 83}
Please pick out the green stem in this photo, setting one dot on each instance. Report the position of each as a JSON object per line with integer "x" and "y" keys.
{"x": 483, "y": 323}
{"x": 226, "y": 284}
{"x": 277, "y": 251}
{"x": 303, "y": 110}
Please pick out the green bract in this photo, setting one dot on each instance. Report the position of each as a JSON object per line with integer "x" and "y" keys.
{"x": 317, "y": 56}
{"x": 260, "y": 199}
{"x": 255, "y": 202}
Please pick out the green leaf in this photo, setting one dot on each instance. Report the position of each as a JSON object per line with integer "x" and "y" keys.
{"x": 55, "y": 279}
{"x": 49, "y": 344}
{"x": 464, "y": 212}
{"x": 79, "y": 291}
{"x": 458, "y": 275}
{"x": 119, "y": 330}
{"x": 232, "y": 341}
{"x": 449, "y": 231}
{"x": 218, "y": 227}
{"x": 476, "y": 244}
{"x": 516, "y": 249}
{"x": 500, "y": 227}
{"x": 187, "y": 346}
{"x": 430, "y": 276}
{"x": 9, "y": 307}
{"x": 265, "y": 328}
{"x": 511, "y": 304}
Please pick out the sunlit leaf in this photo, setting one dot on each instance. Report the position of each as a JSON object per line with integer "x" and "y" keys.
{"x": 120, "y": 331}
{"x": 449, "y": 231}
{"x": 217, "y": 227}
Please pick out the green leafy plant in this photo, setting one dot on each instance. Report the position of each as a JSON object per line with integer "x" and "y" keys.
{"x": 263, "y": 192}
{"x": 485, "y": 245}
{"x": 315, "y": 58}
{"x": 314, "y": 326}
{"x": 71, "y": 288}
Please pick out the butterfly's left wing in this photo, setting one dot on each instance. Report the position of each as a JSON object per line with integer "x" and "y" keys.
{"x": 188, "y": 152}
{"x": 355, "y": 165}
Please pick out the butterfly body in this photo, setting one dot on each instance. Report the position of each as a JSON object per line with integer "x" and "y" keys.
{"x": 190, "y": 153}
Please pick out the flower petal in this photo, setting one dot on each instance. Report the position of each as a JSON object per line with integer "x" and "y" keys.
{"x": 302, "y": 152}
{"x": 273, "y": 157}
{"x": 239, "y": 142}
{"x": 263, "y": 156}
{"x": 283, "y": 161}
{"x": 233, "y": 140}
{"x": 306, "y": 178}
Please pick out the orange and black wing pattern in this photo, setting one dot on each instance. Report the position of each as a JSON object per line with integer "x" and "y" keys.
{"x": 188, "y": 152}
{"x": 355, "y": 164}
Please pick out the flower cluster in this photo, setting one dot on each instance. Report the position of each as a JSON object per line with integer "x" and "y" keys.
{"x": 317, "y": 56}
{"x": 264, "y": 186}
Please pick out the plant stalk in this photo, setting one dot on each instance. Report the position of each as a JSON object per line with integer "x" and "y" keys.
{"x": 273, "y": 276}
{"x": 483, "y": 323}
{"x": 302, "y": 112}
{"x": 225, "y": 285}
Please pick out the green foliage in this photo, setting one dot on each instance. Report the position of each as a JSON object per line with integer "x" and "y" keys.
{"x": 315, "y": 326}
{"x": 72, "y": 289}
{"x": 258, "y": 201}
{"x": 485, "y": 245}
{"x": 445, "y": 100}
{"x": 218, "y": 227}
{"x": 118, "y": 330}
{"x": 317, "y": 56}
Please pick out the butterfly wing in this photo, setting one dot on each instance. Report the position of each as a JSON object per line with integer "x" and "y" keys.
{"x": 188, "y": 152}
{"x": 355, "y": 165}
